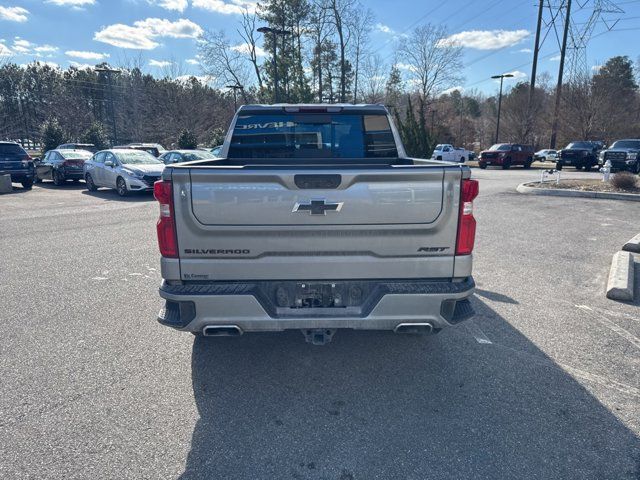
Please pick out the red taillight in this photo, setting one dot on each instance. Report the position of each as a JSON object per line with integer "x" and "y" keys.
{"x": 166, "y": 226}
{"x": 466, "y": 223}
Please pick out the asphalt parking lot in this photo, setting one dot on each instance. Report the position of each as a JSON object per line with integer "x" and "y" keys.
{"x": 543, "y": 383}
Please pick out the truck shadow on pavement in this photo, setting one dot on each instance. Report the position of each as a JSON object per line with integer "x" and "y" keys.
{"x": 379, "y": 405}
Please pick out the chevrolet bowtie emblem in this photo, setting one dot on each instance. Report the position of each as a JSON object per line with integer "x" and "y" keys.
{"x": 317, "y": 207}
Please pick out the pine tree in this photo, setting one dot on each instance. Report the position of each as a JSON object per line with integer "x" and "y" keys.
{"x": 187, "y": 140}
{"x": 52, "y": 135}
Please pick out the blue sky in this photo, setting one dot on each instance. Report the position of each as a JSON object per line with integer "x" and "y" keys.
{"x": 497, "y": 35}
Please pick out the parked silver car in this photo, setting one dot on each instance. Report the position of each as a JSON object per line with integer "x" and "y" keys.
{"x": 179, "y": 156}
{"x": 126, "y": 170}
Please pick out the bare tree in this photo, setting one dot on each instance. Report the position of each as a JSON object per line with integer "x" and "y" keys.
{"x": 221, "y": 62}
{"x": 341, "y": 10}
{"x": 373, "y": 79}
{"x": 247, "y": 32}
{"x": 432, "y": 63}
{"x": 359, "y": 24}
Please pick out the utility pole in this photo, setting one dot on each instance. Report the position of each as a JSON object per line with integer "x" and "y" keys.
{"x": 235, "y": 89}
{"x": 563, "y": 52}
{"x": 501, "y": 77}
{"x": 108, "y": 71}
{"x": 536, "y": 50}
{"x": 275, "y": 32}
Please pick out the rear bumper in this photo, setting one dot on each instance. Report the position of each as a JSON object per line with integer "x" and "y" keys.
{"x": 193, "y": 306}
{"x": 19, "y": 175}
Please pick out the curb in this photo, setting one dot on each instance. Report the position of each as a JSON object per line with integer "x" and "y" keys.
{"x": 620, "y": 284}
{"x": 633, "y": 245}
{"x": 526, "y": 188}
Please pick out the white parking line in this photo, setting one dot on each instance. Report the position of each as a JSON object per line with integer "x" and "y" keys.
{"x": 605, "y": 322}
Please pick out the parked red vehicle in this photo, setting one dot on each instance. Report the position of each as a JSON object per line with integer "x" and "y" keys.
{"x": 507, "y": 154}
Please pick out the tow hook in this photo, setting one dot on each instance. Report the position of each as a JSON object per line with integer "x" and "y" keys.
{"x": 319, "y": 336}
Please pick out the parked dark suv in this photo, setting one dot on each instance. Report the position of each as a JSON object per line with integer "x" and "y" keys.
{"x": 579, "y": 155}
{"x": 623, "y": 155}
{"x": 15, "y": 161}
{"x": 507, "y": 155}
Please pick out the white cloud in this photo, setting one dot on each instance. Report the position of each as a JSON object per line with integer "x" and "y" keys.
{"x": 40, "y": 62}
{"x": 159, "y": 63}
{"x": 13, "y": 14}
{"x": 405, "y": 66}
{"x": 22, "y": 46}
{"x": 72, "y": 3}
{"x": 193, "y": 61}
{"x": 45, "y": 49}
{"x": 203, "y": 79}
{"x": 5, "y": 51}
{"x": 81, "y": 66}
{"x": 220, "y": 6}
{"x": 86, "y": 55}
{"x": 383, "y": 28}
{"x": 525, "y": 50}
{"x": 177, "y": 5}
{"x": 517, "y": 75}
{"x": 244, "y": 49}
{"x": 485, "y": 39}
{"x": 449, "y": 91}
{"x": 143, "y": 33}
{"x": 555, "y": 58}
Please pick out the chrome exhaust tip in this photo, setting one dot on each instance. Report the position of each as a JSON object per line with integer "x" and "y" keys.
{"x": 222, "y": 331}
{"x": 424, "y": 328}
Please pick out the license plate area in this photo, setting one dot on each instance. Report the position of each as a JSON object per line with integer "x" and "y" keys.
{"x": 314, "y": 295}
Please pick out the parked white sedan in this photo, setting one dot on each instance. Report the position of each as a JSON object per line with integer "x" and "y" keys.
{"x": 126, "y": 170}
{"x": 546, "y": 155}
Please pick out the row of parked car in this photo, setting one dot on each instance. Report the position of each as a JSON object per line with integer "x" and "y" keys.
{"x": 622, "y": 154}
{"x": 126, "y": 168}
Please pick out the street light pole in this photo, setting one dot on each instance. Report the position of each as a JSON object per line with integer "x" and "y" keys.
{"x": 275, "y": 32}
{"x": 501, "y": 77}
{"x": 235, "y": 89}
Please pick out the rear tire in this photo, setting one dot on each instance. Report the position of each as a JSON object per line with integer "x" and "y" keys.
{"x": 483, "y": 166}
{"x": 27, "y": 184}
{"x": 58, "y": 179}
{"x": 121, "y": 187}
{"x": 506, "y": 164}
{"x": 89, "y": 181}
{"x": 558, "y": 166}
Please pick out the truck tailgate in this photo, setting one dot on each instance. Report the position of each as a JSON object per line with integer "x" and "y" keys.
{"x": 253, "y": 223}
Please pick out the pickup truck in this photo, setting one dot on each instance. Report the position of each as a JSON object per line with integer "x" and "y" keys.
{"x": 623, "y": 155}
{"x": 315, "y": 219}
{"x": 449, "y": 153}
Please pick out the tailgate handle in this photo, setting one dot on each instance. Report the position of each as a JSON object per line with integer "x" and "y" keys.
{"x": 307, "y": 182}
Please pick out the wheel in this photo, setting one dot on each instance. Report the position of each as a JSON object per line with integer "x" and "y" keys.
{"x": 506, "y": 165}
{"x": 37, "y": 179}
{"x": 439, "y": 158}
{"x": 89, "y": 181}
{"x": 527, "y": 164}
{"x": 462, "y": 160}
{"x": 543, "y": 159}
{"x": 482, "y": 165}
{"x": 558, "y": 166}
{"x": 587, "y": 168}
{"x": 57, "y": 178}
{"x": 27, "y": 184}
{"x": 578, "y": 167}
{"x": 121, "y": 187}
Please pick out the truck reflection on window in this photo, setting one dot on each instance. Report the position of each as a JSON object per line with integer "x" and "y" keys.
{"x": 285, "y": 135}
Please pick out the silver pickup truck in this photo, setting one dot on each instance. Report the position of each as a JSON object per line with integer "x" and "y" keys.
{"x": 315, "y": 219}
